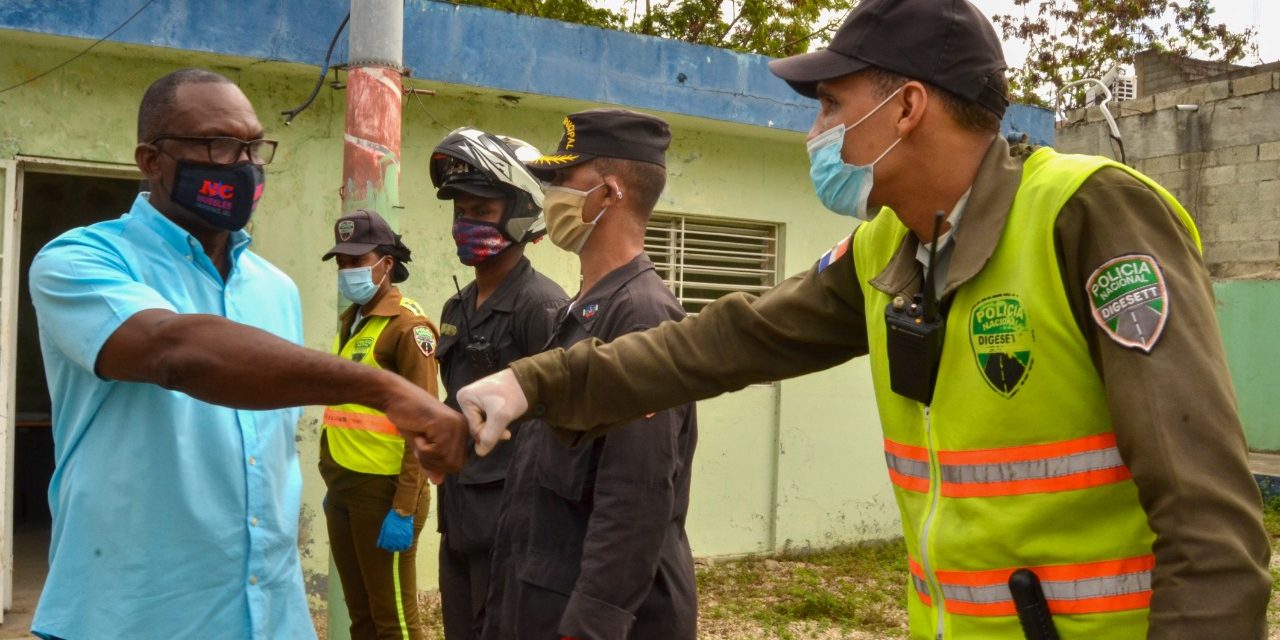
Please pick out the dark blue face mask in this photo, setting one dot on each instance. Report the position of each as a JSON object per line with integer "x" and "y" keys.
{"x": 223, "y": 196}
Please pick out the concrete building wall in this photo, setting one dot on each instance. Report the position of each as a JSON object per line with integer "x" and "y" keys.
{"x": 1219, "y": 153}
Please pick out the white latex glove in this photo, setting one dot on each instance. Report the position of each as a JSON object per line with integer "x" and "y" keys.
{"x": 490, "y": 405}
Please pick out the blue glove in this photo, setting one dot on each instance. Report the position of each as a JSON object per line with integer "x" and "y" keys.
{"x": 397, "y": 532}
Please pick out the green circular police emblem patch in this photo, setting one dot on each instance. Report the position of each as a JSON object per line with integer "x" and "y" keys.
{"x": 1130, "y": 300}
{"x": 1002, "y": 342}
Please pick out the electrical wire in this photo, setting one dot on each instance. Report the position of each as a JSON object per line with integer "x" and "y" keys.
{"x": 82, "y": 52}
{"x": 424, "y": 109}
{"x": 324, "y": 71}
{"x": 1120, "y": 142}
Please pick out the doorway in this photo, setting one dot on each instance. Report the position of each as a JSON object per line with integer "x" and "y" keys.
{"x": 53, "y": 199}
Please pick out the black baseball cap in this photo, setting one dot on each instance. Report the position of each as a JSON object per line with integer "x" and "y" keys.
{"x": 946, "y": 43}
{"x": 362, "y": 231}
{"x": 606, "y": 133}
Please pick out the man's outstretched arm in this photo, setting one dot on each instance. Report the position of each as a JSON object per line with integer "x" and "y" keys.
{"x": 188, "y": 353}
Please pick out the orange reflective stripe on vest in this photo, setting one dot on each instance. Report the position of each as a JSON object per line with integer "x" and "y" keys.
{"x": 908, "y": 465}
{"x": 360, "y": 421}
{"x": 1009, "y": 471}
{"x": 918, "y": 581}
{"x": 1095, "y": 587}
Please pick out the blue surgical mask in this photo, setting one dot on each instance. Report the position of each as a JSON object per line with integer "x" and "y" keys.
{"x": 843, "y": 187}
{"x": 357, "y": 284}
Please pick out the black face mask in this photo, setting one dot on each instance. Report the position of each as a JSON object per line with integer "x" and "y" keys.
{"x": 223, "y": 196}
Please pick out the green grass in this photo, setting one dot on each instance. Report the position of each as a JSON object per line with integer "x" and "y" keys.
{"x": 851, "y": 588}
{"x": 1271, "y": 518}
{"x": 829, "y": 593}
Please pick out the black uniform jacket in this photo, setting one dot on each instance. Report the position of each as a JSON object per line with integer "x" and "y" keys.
{"x": 514, "y": 321}
{"x": 591, "y": 541}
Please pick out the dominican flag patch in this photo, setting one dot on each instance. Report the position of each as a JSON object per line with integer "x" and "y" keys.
{"x": 589, "y": 311}
{"x": 834, "y": 254}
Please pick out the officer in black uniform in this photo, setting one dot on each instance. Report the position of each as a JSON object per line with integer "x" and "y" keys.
{"x": 506, "y": 313}
{"x": 591, "y": 541}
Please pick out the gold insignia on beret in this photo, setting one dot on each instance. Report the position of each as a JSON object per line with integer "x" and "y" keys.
{"x": 556, "y": 159}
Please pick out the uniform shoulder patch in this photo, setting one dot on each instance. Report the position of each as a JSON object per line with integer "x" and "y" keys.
{"x": 447, "y": 329}
{"x": 413, "y": 307}
{"x": 1130, "y": 300}
{"x": 425, "y": 339}
{"x": 834, "y": 254}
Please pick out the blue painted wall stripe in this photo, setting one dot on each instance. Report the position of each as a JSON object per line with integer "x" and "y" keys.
{"x": 471, "y": 46}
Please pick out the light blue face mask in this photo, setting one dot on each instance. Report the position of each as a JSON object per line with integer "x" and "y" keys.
{"x": 843, "y": 187}
{"x": 357, "y": 284}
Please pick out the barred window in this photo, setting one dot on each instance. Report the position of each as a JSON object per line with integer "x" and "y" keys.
{"x": 702, "y": 259}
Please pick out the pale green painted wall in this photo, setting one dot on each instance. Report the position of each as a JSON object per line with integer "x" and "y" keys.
{"x": 1247, "y": 312}
{"x": 797, "y": 463}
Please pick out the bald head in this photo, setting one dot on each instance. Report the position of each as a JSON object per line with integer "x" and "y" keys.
{"x": 161, "y": 100}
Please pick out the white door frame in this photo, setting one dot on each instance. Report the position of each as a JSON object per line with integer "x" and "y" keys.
{"x": 10, "y": 247}
{"x": 11, "y": 241}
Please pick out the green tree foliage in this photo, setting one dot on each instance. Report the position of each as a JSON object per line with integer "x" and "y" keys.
{"x": 577, "y": 11}
{"x": 770, "y": 27}
{"x": 1069, "y": 40}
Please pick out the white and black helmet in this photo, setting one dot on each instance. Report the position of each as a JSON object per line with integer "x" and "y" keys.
{"x": 472, "y": 161}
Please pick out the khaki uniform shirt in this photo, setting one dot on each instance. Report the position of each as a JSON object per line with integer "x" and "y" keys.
{"x": 1173, "y": 410}
{"x": 397, "y": 351}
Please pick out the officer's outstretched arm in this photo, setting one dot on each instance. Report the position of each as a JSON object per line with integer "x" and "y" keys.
{"x": 490, "y": 405}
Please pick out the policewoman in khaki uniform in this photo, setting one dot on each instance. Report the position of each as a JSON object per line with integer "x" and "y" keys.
{"x": 1059, "y": 424}
{"x": 377, "y": 503}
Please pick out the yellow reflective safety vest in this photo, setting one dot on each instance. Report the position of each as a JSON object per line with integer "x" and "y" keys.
{"x": 1014, "y": 464}
{"x": 360, "y": 438}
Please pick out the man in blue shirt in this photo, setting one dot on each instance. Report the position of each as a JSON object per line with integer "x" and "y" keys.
{"x": 173, "y": 357}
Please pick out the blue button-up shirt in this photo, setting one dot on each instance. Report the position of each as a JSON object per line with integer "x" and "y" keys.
{"x": 172, "y": 517}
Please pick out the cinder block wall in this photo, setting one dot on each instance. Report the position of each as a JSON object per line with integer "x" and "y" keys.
{"x": 1220, "y": 155}
{"x": 1216, "y": 145}
{"x": 1159, "y": 72}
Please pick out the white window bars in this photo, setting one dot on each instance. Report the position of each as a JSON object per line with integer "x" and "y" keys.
{"x": 702, "y": 259}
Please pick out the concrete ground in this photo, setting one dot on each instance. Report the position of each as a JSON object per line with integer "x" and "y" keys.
{"x": 1267, "y": 464}
{"x": 30, "y": 566}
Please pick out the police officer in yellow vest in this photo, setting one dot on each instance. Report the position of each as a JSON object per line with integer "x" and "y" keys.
{"x": 377, "y": 502}
{"x": 1057, "y": 402}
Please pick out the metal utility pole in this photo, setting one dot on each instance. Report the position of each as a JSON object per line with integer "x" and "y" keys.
{"x": 370, "y": 153}
{"x": 371, "y": 149}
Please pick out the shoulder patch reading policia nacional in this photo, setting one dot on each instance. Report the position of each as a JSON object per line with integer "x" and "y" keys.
{"x": 425, "y": 340}
{"x": 1130, "y": 300}
{"x": 834, "y": 254}
{"x": 1002, "y": 340}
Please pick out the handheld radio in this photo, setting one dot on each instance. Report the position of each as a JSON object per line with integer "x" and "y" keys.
{"x": 482, "y": 354}
{"x": 914, "y": 335}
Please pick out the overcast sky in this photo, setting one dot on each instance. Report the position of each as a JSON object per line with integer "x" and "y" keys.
{"x": 1262, "y": 15}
